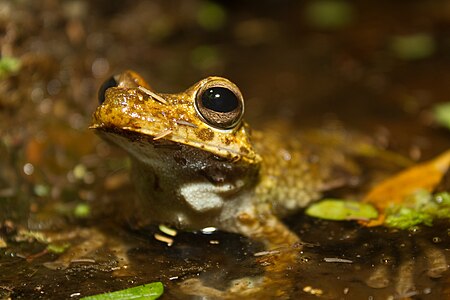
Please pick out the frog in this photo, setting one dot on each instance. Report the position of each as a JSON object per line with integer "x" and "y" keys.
{"x": 197, "y": 164}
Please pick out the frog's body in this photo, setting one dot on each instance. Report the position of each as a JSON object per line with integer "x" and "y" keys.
{"x": 195, "y": 167}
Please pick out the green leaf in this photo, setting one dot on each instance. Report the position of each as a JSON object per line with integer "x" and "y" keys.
{"x": 211, "y": 16}
{"x": 414, "y": 46}
{"x": 147, "y": 291}
{"x": 9, "y": 66}
{"x": 82, "y": 210}
{"x": 421, "y": 208}
{"x": 405, "y": 218}
{"x": 441, "y": 114}
{"x": 341, "y": 210}
{"x": 58, "y": 248}
{"x": 442, "y": 198}
{"x": 329, "y": 14}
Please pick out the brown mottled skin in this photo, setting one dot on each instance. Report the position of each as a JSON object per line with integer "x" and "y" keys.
{"x": 193, "y": 174}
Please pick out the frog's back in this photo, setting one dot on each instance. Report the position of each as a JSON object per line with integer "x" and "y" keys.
{"x": 297, "y": 167}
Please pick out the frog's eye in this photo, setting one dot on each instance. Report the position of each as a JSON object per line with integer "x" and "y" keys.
{"x": 110, "y": 82}
{"x": 219, "y": 105}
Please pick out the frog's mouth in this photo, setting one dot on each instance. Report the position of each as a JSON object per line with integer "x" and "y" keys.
{"x": 171, "y": 140}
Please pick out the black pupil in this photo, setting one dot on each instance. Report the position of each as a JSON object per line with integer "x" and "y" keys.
{"x": 220, "y": 99}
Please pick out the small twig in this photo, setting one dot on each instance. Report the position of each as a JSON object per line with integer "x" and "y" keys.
{"x": 182, "y": 122}
{"x": 162, "y": 134}
{"x": 153, "y": 95}
{"x": 83, "y": 260}
{"x": 167, "y": 230}
{"x": 262, "y": 253}
{"x": 163, "y": 239}
{"x": 337, "y": 260}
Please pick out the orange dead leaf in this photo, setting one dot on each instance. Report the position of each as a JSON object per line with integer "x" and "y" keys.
{"x": 394, "y": 190}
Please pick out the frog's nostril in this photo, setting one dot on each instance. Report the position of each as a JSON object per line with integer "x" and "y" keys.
{"x": 110, "y": 82}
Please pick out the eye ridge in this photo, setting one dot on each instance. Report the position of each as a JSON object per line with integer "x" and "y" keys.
{"x": 219, "y": 99}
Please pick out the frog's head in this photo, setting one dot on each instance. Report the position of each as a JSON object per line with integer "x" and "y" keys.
{"x": 191, "y": 151}
{"x": 207, "y": 116}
